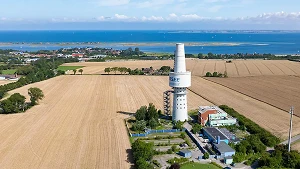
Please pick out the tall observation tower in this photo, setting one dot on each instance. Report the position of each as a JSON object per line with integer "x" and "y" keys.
{"x": 179, "y": 80}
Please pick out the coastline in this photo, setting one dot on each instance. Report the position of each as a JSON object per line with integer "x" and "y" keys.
{"x": 129, "y": 44}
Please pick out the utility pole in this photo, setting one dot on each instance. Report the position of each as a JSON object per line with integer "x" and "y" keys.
{"x": 291, "y": 127}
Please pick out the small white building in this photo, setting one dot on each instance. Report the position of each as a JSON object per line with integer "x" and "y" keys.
{"x": 213, "y": 116}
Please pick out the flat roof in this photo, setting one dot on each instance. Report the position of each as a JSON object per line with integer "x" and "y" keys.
{"x": 204, "y": 109}
{"x": 223, "y": 147}
{"x": 214, "y": 132}
{"x": 185, "y": 151}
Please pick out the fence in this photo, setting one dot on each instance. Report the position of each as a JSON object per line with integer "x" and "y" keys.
{"x": 154, "y": 131}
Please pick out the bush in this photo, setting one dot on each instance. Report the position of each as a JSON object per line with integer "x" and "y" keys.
{"x": 206, "y": 155}
{"x": 177, "y": 160}
{"x": 208, "y": 74}
{"x": 196, "y": 128}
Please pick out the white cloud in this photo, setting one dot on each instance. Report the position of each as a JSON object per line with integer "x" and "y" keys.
{"x": 153, "y": 18}
{"x": 112, "y": 2}
{"x": 172, "y": 15}
{"x": 122, "y": 17}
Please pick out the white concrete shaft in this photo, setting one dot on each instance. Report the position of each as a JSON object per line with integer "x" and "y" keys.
{"x": 180, "y": 105}
{"x": 179, "y": 61}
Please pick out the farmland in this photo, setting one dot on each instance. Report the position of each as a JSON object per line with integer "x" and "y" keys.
{"x": 77, "y": 124}
{"x": 2, "y": 82}
{"x": 279, "y": 91}
{"x": 66, "y": 68}
{"x": 238, "y": 68}
{"x": 267, "y": 116}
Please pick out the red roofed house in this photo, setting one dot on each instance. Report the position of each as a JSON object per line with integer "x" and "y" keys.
{"x": 213, "y": 116}
{"x": 80, "y": 55}
{"x": 203, "y": 115}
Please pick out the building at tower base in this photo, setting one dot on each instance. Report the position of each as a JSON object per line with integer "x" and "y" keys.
{"x": 179, "y": 80}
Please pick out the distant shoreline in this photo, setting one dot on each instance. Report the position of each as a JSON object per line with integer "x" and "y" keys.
{"x": 129, "y": 44}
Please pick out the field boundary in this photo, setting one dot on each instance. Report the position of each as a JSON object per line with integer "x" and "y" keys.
{"x": 249, "y": 96}
{"x": 202, "y": 97}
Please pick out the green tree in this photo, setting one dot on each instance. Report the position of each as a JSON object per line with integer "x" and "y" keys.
{"x": 151, "y": 112}
{"x": 206, "y": 155}
{"x": 174, "y": 148}
{"x": 143, "y": 164}
{"x": 139, "y": 126}
{"x": 7, "y": 106}
{"x": 114, "y": 69}
{"x": 200, "y": 56}
{"x": 18, "y": 101}
{"x": 142, "y": 150}
{"x": 141, "y": 113}
{"x": 210, "y": 55}
{"x": 107, "y": 70}
{"x": 178, "y": 125}
{"x": 74, "y": 71}
{"x": 35, "y": 94}
{"x": 80, "y": 71}
{"x": 215, "y": 74}
{"x": 153, "y": 123}
{"x": 196, "y": 128}
{"x": 208, "y": 74}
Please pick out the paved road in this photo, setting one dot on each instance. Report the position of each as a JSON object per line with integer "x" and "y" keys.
{"x": 295, "y": 138}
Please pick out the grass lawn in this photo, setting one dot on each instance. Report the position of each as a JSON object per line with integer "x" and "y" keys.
{"x": 198, "y": 166}
{"x": 9, "y": 71}
{"x": 65, "y": 68}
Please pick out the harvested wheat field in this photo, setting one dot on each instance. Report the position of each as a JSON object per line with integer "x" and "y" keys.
{"x": 77, "y": 124}
{"x": 296, "y": 146}
{"x": 238, "y": 68}
{"x": 3, "y": 82}
{"x": 279, "y": 91}
{"x": 267, "y": 116}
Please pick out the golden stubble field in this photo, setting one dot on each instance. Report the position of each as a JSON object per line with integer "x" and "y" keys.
{"x": 279, "y": 91}
{"x": 238, "y": 68}
{"x": 77, "y": 124}
{"x": 267, "y": 116}
{"x": 246, "y": 74}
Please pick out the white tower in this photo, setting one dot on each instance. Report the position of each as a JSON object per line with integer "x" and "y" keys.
{"x": 180, "y": 79}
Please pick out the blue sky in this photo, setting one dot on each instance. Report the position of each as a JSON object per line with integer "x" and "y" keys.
{"x": 149, "y": 14}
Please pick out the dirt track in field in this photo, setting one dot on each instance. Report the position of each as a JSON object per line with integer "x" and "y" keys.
{"x": 238, "y": 68}
{"x": 77, "y": 124}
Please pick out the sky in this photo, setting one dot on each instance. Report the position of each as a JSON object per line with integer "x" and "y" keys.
{"x": 149, "y": 14}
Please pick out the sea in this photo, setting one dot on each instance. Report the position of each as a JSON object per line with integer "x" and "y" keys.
{"x": 218, "y": 42}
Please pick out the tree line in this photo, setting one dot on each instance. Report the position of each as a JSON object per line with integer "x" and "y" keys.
{"x": 216, "y": 74}
{"x": 123, "y": 70}
{"x": 16, "y": 102}
{"x": 39, "y": 70}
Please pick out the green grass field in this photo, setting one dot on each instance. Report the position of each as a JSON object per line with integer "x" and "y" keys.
{"x": 9, "y": 71}
{"x": 198, "y": 166}
{"x": 65, "y": 68}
